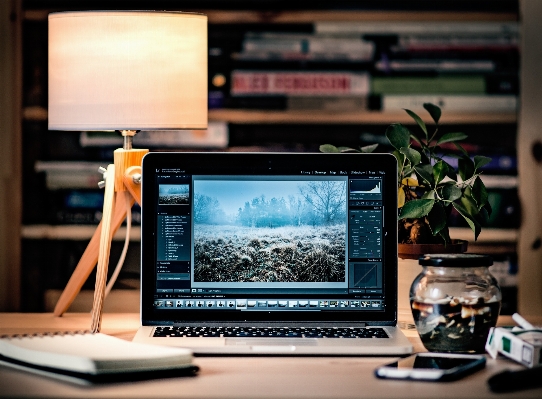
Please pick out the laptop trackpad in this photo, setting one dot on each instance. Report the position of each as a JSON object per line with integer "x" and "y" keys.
{"x": 264, "y": 342}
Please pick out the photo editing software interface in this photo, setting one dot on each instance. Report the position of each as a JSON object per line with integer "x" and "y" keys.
{"x": 311, "y": 241}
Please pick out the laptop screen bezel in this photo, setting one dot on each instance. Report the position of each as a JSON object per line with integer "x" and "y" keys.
{"x": 254, "y": 164}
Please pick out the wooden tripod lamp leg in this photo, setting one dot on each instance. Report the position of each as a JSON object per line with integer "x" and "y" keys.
{"x": 88, "y": 261}
{"x": 103, "y": 253}
{"x": 127, "y": 164}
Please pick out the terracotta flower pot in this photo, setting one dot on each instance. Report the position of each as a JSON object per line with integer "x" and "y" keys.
{"x": 414, "y": 251}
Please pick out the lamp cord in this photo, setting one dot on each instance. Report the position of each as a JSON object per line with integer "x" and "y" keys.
{"x": 125, "y": 248}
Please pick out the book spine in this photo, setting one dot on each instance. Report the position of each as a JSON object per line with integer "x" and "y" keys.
{"x": 298, "y": 83}
{"x": 365, "y": 27}
{"x": 432, "y": 65}
{"x": 429, "y": 85}
{"x": 468, "y": 103}
{"x": 84, "y": 216}
{"x": 59, "y": 175}
{"x": 274, "y": 44}
{"x": 457, "y": 42}
{"x": 329, "y": 56}
{"x": 328, "y": 103}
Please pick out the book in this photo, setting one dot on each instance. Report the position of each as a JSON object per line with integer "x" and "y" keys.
{"x": 70, "y": 174}
{"x": 77, "y": 206}
{"x": 398, "y": 27}
{"x": 305, "y": 46}
{"x": 91, "y": 356}
{"x": 470, "y": 84}
{"x": 250, "y": 82}
{"x": 327, "y": 103}
{"x": 458, "y": 42}
{"x": 284, "y": 56}
{"x": 435, "y": 65}
{"x": 468, "y": 103}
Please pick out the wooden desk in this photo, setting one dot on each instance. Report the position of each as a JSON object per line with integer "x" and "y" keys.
{"x": 241, "y": 377}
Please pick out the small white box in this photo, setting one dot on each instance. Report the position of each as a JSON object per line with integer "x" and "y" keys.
{"x": 523, "y": 346}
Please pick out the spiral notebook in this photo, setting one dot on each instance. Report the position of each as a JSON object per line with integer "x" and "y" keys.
{"x": 93, "y": 357}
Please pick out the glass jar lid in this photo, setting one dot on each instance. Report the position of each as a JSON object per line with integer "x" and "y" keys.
{"x": 455, "y": 260}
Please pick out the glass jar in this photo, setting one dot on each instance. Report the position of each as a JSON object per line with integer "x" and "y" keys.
{"x": 454, "y": 302}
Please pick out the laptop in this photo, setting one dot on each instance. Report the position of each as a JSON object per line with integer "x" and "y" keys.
{"x": 270, "y": 253}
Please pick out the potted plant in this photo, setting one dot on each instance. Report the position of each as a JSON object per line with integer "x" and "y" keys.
{"x": 429, "y": 188}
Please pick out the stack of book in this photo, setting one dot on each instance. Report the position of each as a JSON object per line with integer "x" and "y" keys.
{"x": 461, "y": 66}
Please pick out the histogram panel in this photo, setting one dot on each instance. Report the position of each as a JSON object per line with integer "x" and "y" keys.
{"x": 365, "y": 186}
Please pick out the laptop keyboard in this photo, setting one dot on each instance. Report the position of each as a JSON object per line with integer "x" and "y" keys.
{"x": 301, "y": 332}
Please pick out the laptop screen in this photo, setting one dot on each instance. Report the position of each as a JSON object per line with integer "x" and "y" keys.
{"x": 259, "y": 236}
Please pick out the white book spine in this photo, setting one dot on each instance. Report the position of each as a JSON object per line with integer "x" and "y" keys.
{"x": 470, "y": 103}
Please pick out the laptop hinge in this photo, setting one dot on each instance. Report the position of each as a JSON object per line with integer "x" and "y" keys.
{"x": 270, "y": 323}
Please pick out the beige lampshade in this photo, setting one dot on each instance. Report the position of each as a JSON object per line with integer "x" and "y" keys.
{"x": 127, "y": 70}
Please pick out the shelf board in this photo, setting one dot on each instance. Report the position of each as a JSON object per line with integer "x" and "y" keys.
{"x": 84, "y": 232}
{"x": 487, "y": 236}
{"x": 73, "y": 232}
{"x": 243, "y": 116}
{"x": 310, "y": 16}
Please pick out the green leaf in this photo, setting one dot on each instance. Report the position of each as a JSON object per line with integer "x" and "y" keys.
{"x": 416, "y": 208}
{"x": 451, "y": 173}
{"x": 412, "y": 155}
{"x": 451, "y": 137}
{"x": 466, "y": 168}
{"x": 398, "y": 136}
{"x": 429, "y": 195}
{"x": 445, "y": 234}
{"x": 400, "y": 157}
{"x": 426, "y": 173}
{"x": 488, "y": 209}
{"x": 368, "y": 148}
{"x": 480, "y": 161}
{"x": 483, "y": 216}
{"x": 328, "y": 148}
{"x": 437, "y": 218}
{"x": 474, "y": 225}
{"x": 408, "y": 171}
{"x": 451, "y": 192}
{"x": 347, "y": 149}
{"x": 440, "y": 169}
{"x": 417, "y": 140}
{"x": 479, "y": 193}
{"x": 470, "y": 205}
{"x": 419, "y": 121}
{"x": 458, "y": 146}
{"x": 434, "y": 111}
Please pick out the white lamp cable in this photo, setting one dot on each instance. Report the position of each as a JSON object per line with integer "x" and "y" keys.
{"x": 125, "y": 248}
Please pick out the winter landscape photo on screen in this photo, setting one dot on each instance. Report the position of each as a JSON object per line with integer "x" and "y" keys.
{"x": 173, "y": 194}
{"x": 275, "y": 231}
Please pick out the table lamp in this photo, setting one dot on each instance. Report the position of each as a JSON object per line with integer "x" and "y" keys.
{"x": 125, "y": 71}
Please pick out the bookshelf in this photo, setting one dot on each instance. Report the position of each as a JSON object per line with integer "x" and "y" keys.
{"x": 244, "y": 116}
{"x": 243, "y": 123}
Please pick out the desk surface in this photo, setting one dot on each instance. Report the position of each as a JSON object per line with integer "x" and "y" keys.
{"x": 241, "y": 377}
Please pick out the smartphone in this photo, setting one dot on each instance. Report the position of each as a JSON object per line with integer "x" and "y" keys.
{"x": 432, "y": 367}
